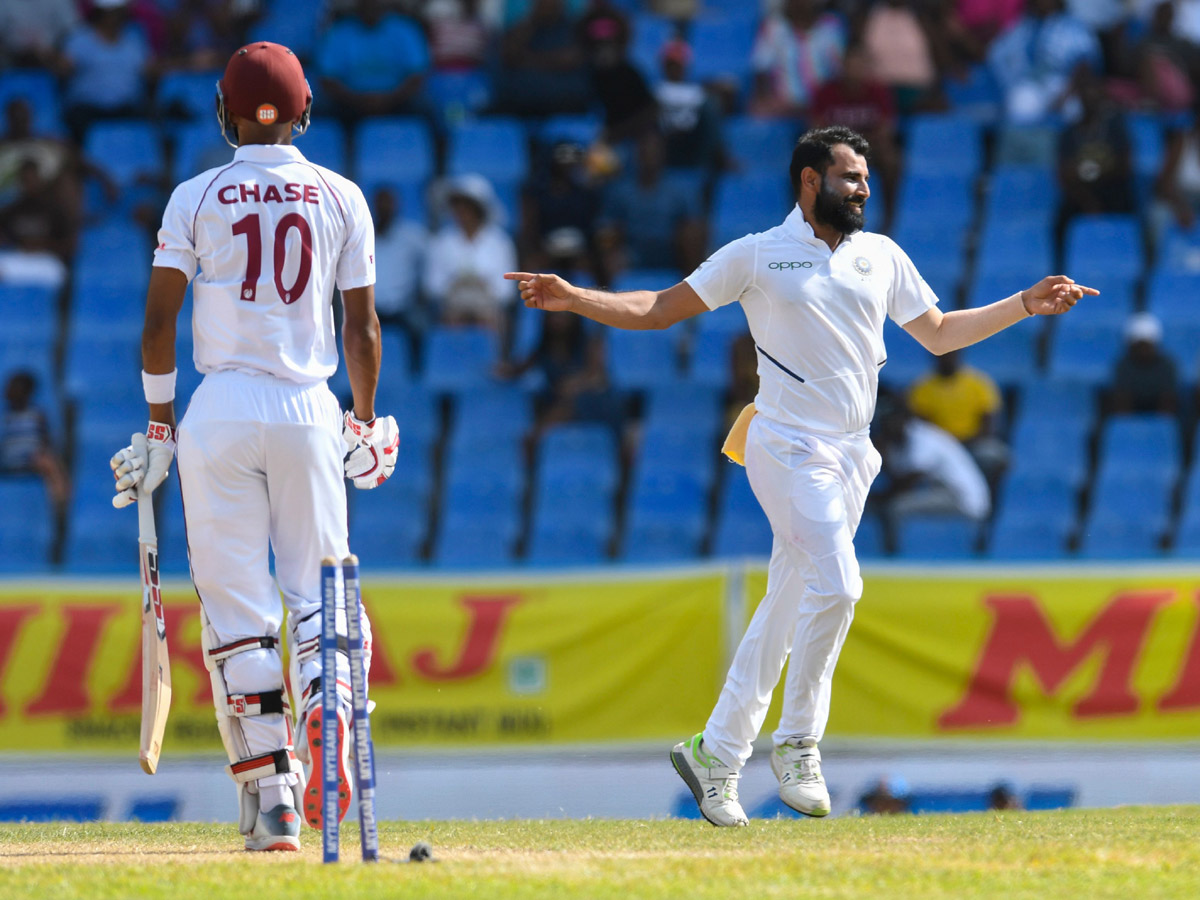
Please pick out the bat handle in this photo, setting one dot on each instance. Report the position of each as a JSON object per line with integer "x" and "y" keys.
{"x": 147, "y": 534}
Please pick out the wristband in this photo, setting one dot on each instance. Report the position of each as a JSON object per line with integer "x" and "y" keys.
{"x": 159, "y": 388}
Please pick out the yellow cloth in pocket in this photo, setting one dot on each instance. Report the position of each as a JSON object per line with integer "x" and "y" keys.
{"x": 735, "y": 442}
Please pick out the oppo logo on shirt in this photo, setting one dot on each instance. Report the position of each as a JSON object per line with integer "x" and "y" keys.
{"x": 789, "y": 265}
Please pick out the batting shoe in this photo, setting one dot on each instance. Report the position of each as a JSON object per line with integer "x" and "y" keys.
{"x": 313, "y": 808}
{"x": 797, "y": 765}
{"x": 712, "y": 783}
{"x": 277, "y": 829}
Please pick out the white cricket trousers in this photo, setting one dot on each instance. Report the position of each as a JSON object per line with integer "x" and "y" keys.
{"x": 813, "y": 488}
{"x": 260, "y": 466}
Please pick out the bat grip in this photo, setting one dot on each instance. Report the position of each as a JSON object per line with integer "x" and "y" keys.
{"x": 147, "y": 534}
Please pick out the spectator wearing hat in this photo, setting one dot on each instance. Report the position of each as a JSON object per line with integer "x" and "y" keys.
{"x": 1145, "y": 379}
{"x": 467, "y": 259}
{"x": 105, "y": 63}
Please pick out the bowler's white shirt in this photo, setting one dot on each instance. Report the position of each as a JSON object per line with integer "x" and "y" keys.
{"x": 819, "y": 313}
{"x": 263, "y": 241}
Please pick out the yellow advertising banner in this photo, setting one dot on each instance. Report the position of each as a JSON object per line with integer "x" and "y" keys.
{"x": 455, "y": 661}
{"x": 1017, "y": 653}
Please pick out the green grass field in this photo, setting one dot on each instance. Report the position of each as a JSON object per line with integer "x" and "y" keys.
{"x": 1079, "y": 854}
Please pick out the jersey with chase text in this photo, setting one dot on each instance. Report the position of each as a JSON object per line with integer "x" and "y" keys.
{"x": 263, "y": 241}
{"x": 816, "y": 316}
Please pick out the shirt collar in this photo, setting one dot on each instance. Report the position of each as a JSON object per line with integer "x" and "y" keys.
{"x": 797, "y": 226}
{"x": 268, "y": 153}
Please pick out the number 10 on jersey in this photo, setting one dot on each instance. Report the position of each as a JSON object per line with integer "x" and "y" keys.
{"x": 250, "y": 227}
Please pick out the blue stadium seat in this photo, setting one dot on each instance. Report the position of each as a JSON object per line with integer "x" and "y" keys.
{"x": 1105, "y": 246}
{"x": 189, "y": 94}
{"x": 198, "y": 148}
{"x": 657, "y": 541}
{"x": 574, "y": 543}
{"x": 758, "y": 144}
{"x": 1143, "y": 493}
{"x": 471, "y": 541}
{"x": 937, "y": 537}
{"x": 1084, "y": 350}
{"x": 1134, "y": 441}
{"x": 495, "y": 148}
{"x": 100, "y": 539}
{"x": 1107, "y": 534}
{"x": 500, "y": 412}
{"x": 40, "y": 90}
{"x": 1186, "y": 542}
{"x": 35, "y": 356}
{"x": 29, "y": 312}
{"x": 296, "y": 25}
{"x": 710, "y": 363}
{"x": 459, "y": 359}
{"x": 1037, "y": 439}
{"x": 1023, "y": 533}
{"x": 393, "y": 148}
{"x": 939, "y": 256}
{"x": 577, "y": 129}
{"x": 474, "y": 479}
{"x": 1149, "y": 144}
{"x": 977, "y": 95}
{"x": 740, "y": 534}
{"x": 396, "y": 367}
{"x": 944, "y": 145}
{"x": 645, "y": 280}
{"x": 746, "y": 204}
{"x": 98, "y": 365}
{"x": 1179, "y": 250}
{"x": 869, "y": 540}
{"x": 1018, "y": 248}
{"x": 642, "y": 359}
{"x": 721, "y": 49}
{"x": 417, "y": 411}
{"x": 387, "y": 528}
{"x": 1009, "y": 357}
{"x": 1026, "y": 145}
{"x": 696, "y": 411}
{"x": 26, "y": 524}
{"x": 456, "y": 94}
{"x": 324, "y": 143}
{"x": 1059, "y": 400}
{"x": 677, "y": 451}
{"x": 1174, "y": 296}
{"x": 925, "y": 200}
{"x": 1021, "y": 194}
{"x": 668, "y": 496}
{"x": 578, "y": 444}
{"x": 126, "y": 150}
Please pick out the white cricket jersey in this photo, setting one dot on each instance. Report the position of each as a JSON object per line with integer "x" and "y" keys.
{"x": 817, "y": 317}
{"x": 263, "y": 241}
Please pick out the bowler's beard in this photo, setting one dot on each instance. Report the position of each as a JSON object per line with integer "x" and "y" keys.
{"x": 837, "y": 212}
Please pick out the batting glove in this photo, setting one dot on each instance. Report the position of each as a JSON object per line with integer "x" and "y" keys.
{"x": 146, "y": 462}
{"x": 372, "y": 449}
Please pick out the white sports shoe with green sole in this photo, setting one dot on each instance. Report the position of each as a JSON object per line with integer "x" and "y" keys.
{"x": 801, "y": 785}
{"x": 712, "y": 783}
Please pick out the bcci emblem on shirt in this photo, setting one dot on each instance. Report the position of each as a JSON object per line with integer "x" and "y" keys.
{"x": 862, "y": 265}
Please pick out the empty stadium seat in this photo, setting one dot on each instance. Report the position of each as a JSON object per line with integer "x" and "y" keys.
{"x": 476, "y": 541}
{"x": 1018, "y": 248}
{"x": 1111, "y": 535}
{"x": 578, "y": 543}
{"x": 393, "y": 148}
{"x": 1135, "y": 441}
{"x": 907, "y": 360}
{"x": 710, "y": 362}
{"x": 695, "y": 411}
{"x": 500, "y": 412}
{"x": 650, "y": 33}
{"x": 458, "y": 359}
{"x": 1104, "y": 246}
{"x": 1009, "y": 356}
{"x": 126, "y": 150}
{"x": 324, "y": 143}
{"x": 746, "y": 204}
{"x": 1174, "y": 296}
{"x": 1084, "y": 350}
{"x": 760, "y": 144}
{"x": 1030, "y": 533}
{"x": 937, "y": 537}
{"x": 1017, "y": 193}
{"x": 495, "y": 148}
{"x": 642, "y": 359}
{"x": 944, "y": 145}
{"x": 26, "y": 524}
{"x": 925, "y": 200}
{"x": 198, "y": 148}
{"x": 29, "y": 312}
{"x": 721, "y": 49}
{"x": 189, "y": 94}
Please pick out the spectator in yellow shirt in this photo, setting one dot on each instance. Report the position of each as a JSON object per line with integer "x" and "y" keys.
{"x": 963, "y": 401}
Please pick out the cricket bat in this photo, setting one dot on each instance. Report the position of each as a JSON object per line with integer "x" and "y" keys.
{"x": 156, "y": 666}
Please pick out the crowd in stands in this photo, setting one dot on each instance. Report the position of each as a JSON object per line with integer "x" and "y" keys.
{"x": 619, "y": 142}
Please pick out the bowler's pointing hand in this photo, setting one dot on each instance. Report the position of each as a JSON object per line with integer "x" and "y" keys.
{"x": 548, "y": 292}
{"x": 1054, "y": 294}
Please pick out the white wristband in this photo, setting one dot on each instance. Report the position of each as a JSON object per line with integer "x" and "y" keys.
{"x": 159, "y": 388}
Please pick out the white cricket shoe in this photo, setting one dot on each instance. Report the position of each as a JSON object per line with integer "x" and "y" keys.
{"x": 801, "y": 785}
{"x": 276, "y": 829}
{"x": 713, "y": 784}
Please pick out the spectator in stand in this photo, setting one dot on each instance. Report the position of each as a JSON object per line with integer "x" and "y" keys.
{"x": 887, "y": 797}
{"x": 629, "y": 106}
{"x": 860, "y": 101}
{"x": 105, "y": 63}
{"x": 1095, "y": 156}
{"x": 797, "y": 50}
{"x": 1177, "y": 187}
{"x": 559, "y": 214}
{"x": 201, "y": 34}
{"x": 651, "y": 221}
{"x": 688, "y": 115}
{"x": 1145, "y": 378}
{"x": 964, "y": 402}
{"x": 35, "y": 221}
{"x": 900, "y": 48}
{"x": 928, "y": 472}
{"x": 459, "y": 39}
{"x": 373, "y": 62}
{"x": 32, "y": 30}
{"x": 1159, "y": 68}
{"x": 400, "y": 248}
{"x": 26, "y": 447}
{"x": 682, "y": 11}
{"x": 570, "y": 358}
{"x": 1002, "y": 796}
{"x": 467, "y": 259}
{"x": 987, "y": 18}
{"x": 544, "y": 68}
{"x": 1035, "y": 60}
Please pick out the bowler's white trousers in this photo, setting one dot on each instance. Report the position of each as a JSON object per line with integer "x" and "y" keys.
{"x": 813, "y": 488}
{"x": 260, "y": 466}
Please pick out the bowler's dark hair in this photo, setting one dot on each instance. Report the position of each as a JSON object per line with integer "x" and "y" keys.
{"x": 815, "y": 148}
